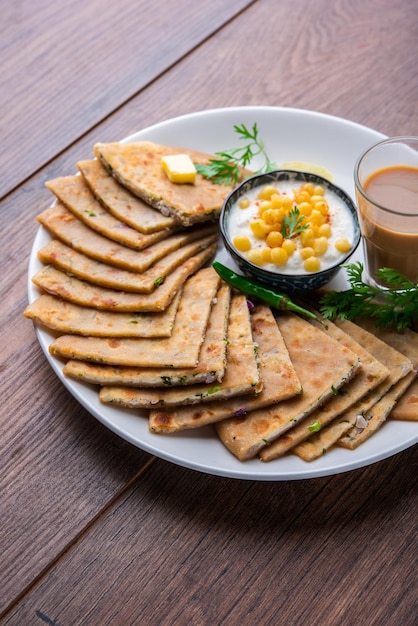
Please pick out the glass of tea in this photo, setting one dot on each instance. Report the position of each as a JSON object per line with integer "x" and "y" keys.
{"x": 386, "y": 181}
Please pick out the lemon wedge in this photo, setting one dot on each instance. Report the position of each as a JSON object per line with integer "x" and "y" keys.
{"x": 301, "y": 166}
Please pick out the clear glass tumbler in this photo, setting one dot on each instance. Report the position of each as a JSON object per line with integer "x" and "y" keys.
{"x": 386, "y": 181}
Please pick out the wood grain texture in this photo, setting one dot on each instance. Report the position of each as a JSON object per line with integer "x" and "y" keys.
{"x": 90, "y": 533}
{"x": 181, "y": 547}
{"x": 66, "y": 66}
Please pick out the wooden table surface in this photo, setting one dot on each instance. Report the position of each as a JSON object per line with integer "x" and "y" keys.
{"x": 95, "y": 531}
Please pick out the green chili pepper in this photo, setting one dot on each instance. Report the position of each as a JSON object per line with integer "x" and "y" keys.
{"x": 249, "y": 288}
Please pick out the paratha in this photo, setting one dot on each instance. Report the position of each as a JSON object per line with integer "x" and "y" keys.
{"x": 371, "y": 374}
{"x": 377, "y": 415}
{"x": 137, "y": 166}
{"x": 68, "y": 318}
{"x": 121, "y": 202}
{"x": 241, "y": 374}
{"x": 181, "y": 349}
{"x": 75, "y": 194}
{"x": 322, "y": 365}
{"x": 398, "y": 365}
{"x": 405, "y": 342}
{"x": 336, "y": 432}
{"x": 210, "y": 368}
{"x": 63, "y": 225}
{"x": 276, "y": 372}
{"x": 85, "y": 268}
{"x": 70, "y": 288}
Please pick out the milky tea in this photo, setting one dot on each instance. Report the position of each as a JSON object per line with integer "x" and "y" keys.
{"x": 387, "y": 196}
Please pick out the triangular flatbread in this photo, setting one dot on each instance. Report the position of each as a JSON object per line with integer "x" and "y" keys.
{"x": 399, "y": 367}
{"x": 276, "y": 372}
{"x": 210, "y": 367}
{"x": 337, "y": 432}
{"x": 241, "y": 375}
{"x": 69, "y": 288}
{"x": 61, "y": 223}
{"x": 121, "y": 202}
{"x": 181, "y": 349}
{"x": 68, "y": 318}
{"x": 75, "y": 194}
{"x": 405, "y": 342}
{"x": 77, "y": 264}
{"x": 322, "y": 365}
{"x": 137, "y": 166}
{"x": 371, "y": 374}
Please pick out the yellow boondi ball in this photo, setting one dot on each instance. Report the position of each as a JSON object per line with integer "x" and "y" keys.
{"x": 267, "y": 191}
{"x": 289, "y": 246}
{"x": 242, "y": 243}
{"x": 307, "y": 252}
{"x": 312, "y": 264}
{"x": 320, "y": 245}
{"x": 259, "y": 228}
{"x": 325, "y": 231}
{"x": 266, "y": 254}
{"x": 279, "y": 256}
{"x": 274, "y": 239}
{"x": 343, "y": 245}
{"x": 255, "y": 255}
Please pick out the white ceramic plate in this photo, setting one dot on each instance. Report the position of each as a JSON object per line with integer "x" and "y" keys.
{"x": 289, "y": 134}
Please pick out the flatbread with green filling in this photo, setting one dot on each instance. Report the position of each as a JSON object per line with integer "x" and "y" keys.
{"x": 181, "y": 349}
{"x": 276, "y": 372}
{"x": 345, "y": 432}
{"x": 77, "y": 264}
{"x": 405, "y": 342}
{"x": 370, "y": 375}
{"x": 68, "y": 318}
{"x": 121, "y": 202}
{"x": 63, "y": 225}
{"x": 75, "y": 194}
{"x": 399, "y": 367}
{"x": 137, "y": 166}
{"x": 210, "y": 367}
{"x": 322, "y": 365}
{"x": 56, "y": 282}
{"x": 241, "y": 374}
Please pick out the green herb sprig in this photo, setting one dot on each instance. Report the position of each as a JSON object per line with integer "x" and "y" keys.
{"x": 292, "y": 223}
{"x": 225, "y": 168}
{"x": 396, "y": 306}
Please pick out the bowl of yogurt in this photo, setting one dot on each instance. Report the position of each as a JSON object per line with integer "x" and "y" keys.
{"x": 290, "y": 230}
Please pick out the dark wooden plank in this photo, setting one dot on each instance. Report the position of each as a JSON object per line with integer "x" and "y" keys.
{"x": 51, "y": 448}
{"x": 330, "y": 69}
{"x": 66, "y": 66}
{"x": 185, "y": 548}
{"x": 51, "y": 451}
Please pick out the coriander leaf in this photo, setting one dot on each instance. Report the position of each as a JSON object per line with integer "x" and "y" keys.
{"x": 314, "y": 427}
{"x": 292, "y": 223}
{"x": 224, "y": 168}
{"x": 395, "y": 306}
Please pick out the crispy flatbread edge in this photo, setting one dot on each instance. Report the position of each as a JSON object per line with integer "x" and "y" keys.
{"x": 158, "y": 202}
{"x": 378, "y": 414}
{"x": 255, "y": 450}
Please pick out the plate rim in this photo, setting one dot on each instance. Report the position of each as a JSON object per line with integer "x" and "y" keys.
{"x": 309, "y": 472}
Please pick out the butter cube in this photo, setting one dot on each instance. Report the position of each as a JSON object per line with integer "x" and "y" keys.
{"x": 179, "y": 168}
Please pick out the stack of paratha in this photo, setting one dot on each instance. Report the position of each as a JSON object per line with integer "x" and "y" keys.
{"x": 116, "y": 265}
{"x": 135, "y": 311}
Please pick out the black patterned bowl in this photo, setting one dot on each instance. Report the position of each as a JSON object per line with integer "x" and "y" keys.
{"x": 285, "y": 281}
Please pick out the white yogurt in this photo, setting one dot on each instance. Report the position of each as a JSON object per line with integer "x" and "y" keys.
{"x": 340, "y": 220}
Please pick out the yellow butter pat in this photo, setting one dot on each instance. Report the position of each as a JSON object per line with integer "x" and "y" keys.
{"x": 179, "y": 168}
